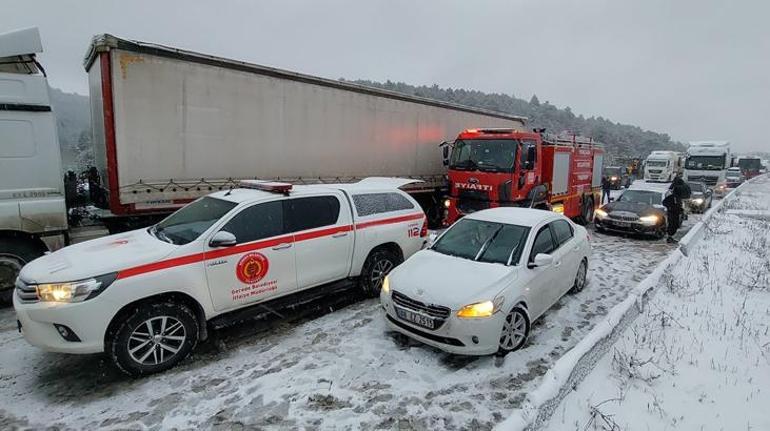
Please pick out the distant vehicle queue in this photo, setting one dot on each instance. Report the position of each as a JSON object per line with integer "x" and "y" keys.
{"x": 215, "y": 249}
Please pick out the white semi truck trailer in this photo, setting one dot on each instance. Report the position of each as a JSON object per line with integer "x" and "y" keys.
{"x": 171, "y": 125}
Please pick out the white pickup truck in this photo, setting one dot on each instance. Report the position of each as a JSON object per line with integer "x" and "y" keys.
{"x": 145, "y": 297}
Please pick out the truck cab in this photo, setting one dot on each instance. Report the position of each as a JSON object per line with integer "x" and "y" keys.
{"x": 33, "y": 216}
{"x": 661, "y": 166}
{"x": 707, "y": 162}
{"x": 497, "y": 167}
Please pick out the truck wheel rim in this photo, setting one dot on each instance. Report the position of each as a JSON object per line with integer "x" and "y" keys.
{"x": 380, "y": 270}
{"x": 156, "y": 340}
{"x": 10, "y": 266}
{"x": 514, "y": 330}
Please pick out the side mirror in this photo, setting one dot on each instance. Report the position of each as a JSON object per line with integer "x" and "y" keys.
{"x": 223, "y": 238}
{"x": 541, "y": 260}
{"x": 431, "y": 239}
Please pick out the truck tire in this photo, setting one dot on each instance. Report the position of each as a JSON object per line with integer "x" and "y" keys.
{"x": 377, "y": 265}
{"x": 586, "y": 212}
{"x": 14, "y": 254}
{"x": 152, "y": 338}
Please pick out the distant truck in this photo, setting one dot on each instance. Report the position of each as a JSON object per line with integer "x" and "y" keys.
{"x": 497, "y": 167}
{"x": 749, "y": 166}
{"x": 170, "y": 126}
{"x": 617, "y": 176}
{"x": 707, "y": 162}
{"x": 662, "y": 166}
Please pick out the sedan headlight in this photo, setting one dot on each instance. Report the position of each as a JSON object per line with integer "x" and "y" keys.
{"x": 481, "y": 309}
{"x": 386, "y": 285}
{"x": 650, "y": 220}
{"x": 75, "y": 291}
{"x": 600, "y": 213}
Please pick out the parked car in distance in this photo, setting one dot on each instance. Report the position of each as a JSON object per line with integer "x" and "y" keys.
{"x": 477, "y": 289}
{"x": 144, "y": 297}
{"x": 700, "y": 198}
{"x": 639, "y": 210}
{"x": 617, "y": 176}
{"x": 734, "y": 177}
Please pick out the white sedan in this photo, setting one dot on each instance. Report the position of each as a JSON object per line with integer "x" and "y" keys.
{"x": 477, "y": 289}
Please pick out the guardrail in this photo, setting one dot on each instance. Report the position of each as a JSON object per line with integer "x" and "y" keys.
{"x": 574, "y": 365}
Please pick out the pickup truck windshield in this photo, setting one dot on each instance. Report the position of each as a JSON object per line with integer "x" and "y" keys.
{"x": 483, "y": 241}
{"x": 708, "y": 163}
{"x": 493, "y": 155}
{"x": 641, "y": 196}
{"x": 187, "y": 224}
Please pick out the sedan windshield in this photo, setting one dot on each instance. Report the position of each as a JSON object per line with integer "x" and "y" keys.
{"x": 187, "y": 224}
{"x": 483, "y": 241}
{"x": 496, "y": 155}
{"x": 696, "y": 187}
{"x": 641, "y": 196}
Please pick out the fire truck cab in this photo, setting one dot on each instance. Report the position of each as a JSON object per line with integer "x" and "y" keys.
{"x": 506, "y": 167}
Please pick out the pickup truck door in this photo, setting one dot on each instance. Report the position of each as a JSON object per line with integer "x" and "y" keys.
{"x": 260, "y": 266}
{"x": 323, "y": 238}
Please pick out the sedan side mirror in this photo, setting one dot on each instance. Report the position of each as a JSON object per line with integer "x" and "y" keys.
{"x": 223, "y": 238}
{"x": 541, "y": 260}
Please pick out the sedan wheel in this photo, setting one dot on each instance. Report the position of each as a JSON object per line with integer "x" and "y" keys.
{"x": 580, "y": 277}
{"x": 515, "y": 331}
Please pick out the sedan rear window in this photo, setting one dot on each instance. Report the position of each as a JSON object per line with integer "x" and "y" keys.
{"x": 483, "y": 241}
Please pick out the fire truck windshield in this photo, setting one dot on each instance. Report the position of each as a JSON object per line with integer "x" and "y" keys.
{"x": 493, "y": 155}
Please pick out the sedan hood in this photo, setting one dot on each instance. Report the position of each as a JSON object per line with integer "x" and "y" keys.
{"x": 96, "y": 257}
{"x": 638, "y": 208}
{"x": 439, "y": 279}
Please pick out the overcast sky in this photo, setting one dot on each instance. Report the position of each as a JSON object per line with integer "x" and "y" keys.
{"x": 696, "y": 69}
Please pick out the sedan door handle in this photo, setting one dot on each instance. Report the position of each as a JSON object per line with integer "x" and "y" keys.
{"x": 282, "y": 246}
{"x": 340, "y": 235}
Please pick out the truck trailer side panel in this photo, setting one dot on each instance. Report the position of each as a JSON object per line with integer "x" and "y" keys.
{"x": 184, "y": 123}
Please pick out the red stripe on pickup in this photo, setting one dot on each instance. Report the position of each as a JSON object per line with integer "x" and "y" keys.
{"x": 243, "y": 248}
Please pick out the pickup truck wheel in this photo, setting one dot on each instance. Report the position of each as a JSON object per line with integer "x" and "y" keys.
{"x": 14, "y": 254}
{"x": 514, "y": 332}
{"x": 377, "y": 266}
{"x": 153, "y": 338}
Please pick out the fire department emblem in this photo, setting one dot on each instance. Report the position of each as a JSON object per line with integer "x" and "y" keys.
{"x": 252, "y": 267}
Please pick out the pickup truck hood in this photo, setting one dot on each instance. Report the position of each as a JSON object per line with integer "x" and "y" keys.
{"x": 96, "y": 257}
{"x": 439, "y": 279}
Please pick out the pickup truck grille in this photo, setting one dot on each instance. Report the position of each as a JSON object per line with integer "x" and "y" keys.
{"x": 435, "y": 311}
{"x": 26, "y": 292}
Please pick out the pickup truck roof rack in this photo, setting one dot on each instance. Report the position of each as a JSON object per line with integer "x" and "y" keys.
{"x": 267, "y": 186}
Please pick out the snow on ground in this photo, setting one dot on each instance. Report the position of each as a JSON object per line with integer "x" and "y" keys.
{"x": 698, "y": 357}
{"x": 340, "y": 370}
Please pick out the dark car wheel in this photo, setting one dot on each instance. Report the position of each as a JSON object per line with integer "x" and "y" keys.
{"x": 153, "y": 338}
{"x": 377, "y": 266}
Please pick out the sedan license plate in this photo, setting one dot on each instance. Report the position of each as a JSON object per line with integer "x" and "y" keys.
{"x": 415, "y": 318}
{"x": 621, "y": 223}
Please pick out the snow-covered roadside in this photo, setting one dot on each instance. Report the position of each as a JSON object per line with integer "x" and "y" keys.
{"x": 698, "y": 356}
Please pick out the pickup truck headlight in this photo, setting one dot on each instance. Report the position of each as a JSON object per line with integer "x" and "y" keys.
{"x": 600, "y": 213}
{"x": 75, "y": 291}
{"x": 650, "y": 220}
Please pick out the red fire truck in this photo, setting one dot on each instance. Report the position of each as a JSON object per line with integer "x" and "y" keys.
{"x": 506, "y": 167}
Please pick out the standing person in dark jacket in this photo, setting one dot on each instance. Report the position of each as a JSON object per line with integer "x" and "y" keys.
{"x": 679, "y": 191}
{"x": 606, "y": 186}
